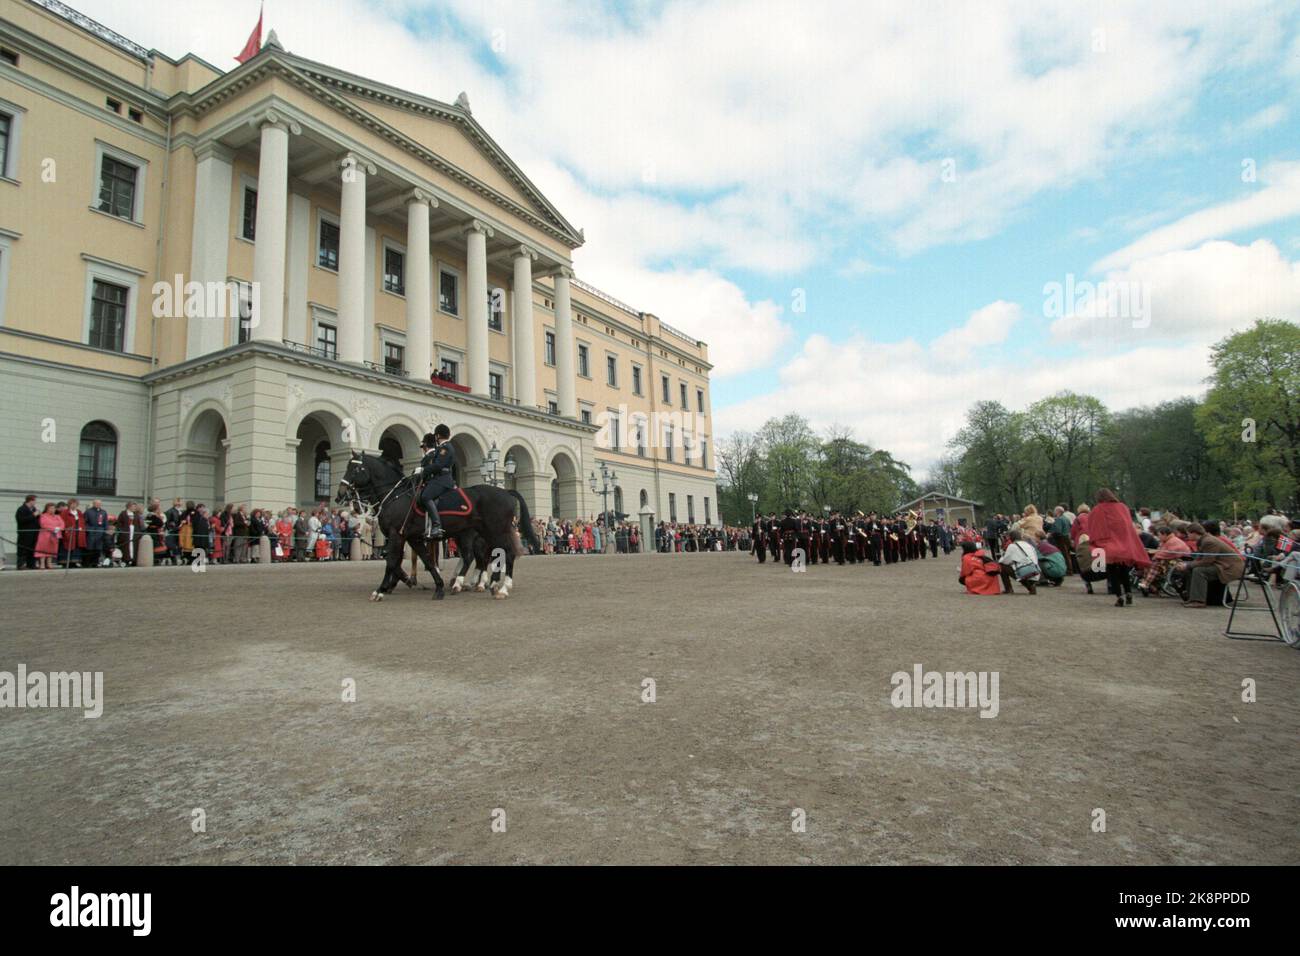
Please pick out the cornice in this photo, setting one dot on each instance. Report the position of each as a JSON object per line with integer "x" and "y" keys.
{"x": 249, "y": 350}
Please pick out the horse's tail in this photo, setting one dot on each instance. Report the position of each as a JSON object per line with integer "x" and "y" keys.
{"x": 526, "y": 529}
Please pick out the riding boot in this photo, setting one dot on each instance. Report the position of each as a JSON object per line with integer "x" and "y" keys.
{"x": 432, "y": 524}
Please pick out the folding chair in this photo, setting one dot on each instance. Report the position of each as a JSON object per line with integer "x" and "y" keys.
{"x": 1283, "y": 610}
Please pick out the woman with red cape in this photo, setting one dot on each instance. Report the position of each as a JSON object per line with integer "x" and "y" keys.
{"x": 1110, "y": 528}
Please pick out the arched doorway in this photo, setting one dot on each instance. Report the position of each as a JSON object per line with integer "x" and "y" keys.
{"x": 400, "y": 445}
{"x": 566, "y": 488}
{"x": 469, "y": 459}
{"x": 322, "y": 458}
{"x": 202, "y": 460}
{"x": 524, "y": 476}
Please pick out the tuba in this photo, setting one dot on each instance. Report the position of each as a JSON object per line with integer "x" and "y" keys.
{"x": 911, "y": 520}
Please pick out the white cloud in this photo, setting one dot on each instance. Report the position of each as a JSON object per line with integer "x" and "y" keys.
{"x": 987, "y": 326}
{"x": 1276, "y": 200}
{"x": 1196, "y": 294}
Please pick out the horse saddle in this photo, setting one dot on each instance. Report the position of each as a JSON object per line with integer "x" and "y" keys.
{"x": 454, "y": 502}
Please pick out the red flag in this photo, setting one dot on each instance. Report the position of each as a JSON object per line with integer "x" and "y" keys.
{"x": 254, "y": 44}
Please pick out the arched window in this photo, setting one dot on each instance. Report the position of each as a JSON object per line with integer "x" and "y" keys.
{"x": 97, "y": 461}
{"x": 323, "y": 471}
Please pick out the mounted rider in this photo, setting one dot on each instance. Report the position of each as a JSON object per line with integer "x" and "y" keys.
{"x": 436, "y": 469}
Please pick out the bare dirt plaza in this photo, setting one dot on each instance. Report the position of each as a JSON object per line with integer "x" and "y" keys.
{"x": 224, "y": 691}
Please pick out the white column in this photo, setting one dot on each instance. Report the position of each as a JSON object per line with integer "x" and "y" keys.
{"x": 565, "y": 383}
{"x": 419, "y": 293}
{"x": 524, "y": 351}
{"x": 476, "y": 342}
{"x": 352, "y": 259}
{"x": 297, "y": 328}
{"x": 271, "y": 226}
{"x": 211, "y": 242}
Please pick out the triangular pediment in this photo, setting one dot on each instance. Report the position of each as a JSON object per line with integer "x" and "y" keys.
{"x": 446, "y": 130}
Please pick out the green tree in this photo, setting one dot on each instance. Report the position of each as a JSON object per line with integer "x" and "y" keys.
{"x": 1251, "y": 415}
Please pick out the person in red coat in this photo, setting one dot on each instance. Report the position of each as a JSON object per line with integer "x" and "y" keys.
{"x": 974, "y": 572}
{"x": 73, "y": 540}
{"x": 1110, "y": 527}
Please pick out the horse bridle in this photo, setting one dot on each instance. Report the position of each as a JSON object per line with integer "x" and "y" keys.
{"x": 359, "y": 504}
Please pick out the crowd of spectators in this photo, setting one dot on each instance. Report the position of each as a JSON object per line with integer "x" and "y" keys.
{"x": 60, "y": 534}
{"x": 1157, "y": 554}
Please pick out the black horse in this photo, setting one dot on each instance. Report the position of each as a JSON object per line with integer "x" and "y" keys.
{"x": 486, "y": 534}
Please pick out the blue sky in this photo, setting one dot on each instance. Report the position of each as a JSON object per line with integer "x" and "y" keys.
{"x": 729, "y": 158}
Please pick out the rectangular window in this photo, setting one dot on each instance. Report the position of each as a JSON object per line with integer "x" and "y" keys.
{"x": 248, "y": 229}
{"x": 450, "y": 370}
{"x": 394, "y": 358}
{"x": 640, "y": 437}
{"x": 496, "y": 309}
{"x": 611, "y": 371}
{"x": 699, "y": 400}
{"x": 448, "y": 292}
{"x": 494, "y": 385}
{"x": 113, "y": 105}
{"x": 394, "y": 271}
{"x": 690, "y": 509}
{"x": 707, "y": 517}
{"x": 6, "y": 125}
{"x": 668, "y": 442}
{"x": 553, "y": 406}
{"x": 136, "y": 115}
{"x": 327, "y": 256}
{"x": 108, "y": 316}
{"x": 615, "y": 439}
{"x": 672, "y": 507}
{"x": 9, "y": 56}
{"x": 550, "y": 348}
{"x": 586, "y": 416}
{"x": 327, "y": 340}
{"x": 117, "y": 188}
{"x": 683, "y": 384}
{"x": 667, "y": 400}
{"x": 704, "y": 454}
{"x": 584, "y": 362}
{"x": 636, "y": 379}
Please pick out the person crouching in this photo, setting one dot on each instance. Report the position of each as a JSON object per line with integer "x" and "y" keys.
{"x": 979, "y": 572}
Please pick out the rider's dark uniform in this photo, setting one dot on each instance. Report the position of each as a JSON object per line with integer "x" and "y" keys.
{"x": 436, "y": 470}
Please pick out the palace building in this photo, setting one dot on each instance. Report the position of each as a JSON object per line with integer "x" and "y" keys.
{"x": 217, "y": 285}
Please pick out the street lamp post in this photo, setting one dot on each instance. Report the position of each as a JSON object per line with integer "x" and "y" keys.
{"x": 753, "y": 507}
{"x": 603, "y": 488}
{"x": 491, "y": 465}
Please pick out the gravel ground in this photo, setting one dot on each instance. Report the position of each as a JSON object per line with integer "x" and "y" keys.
{"x": 224, "y": 692}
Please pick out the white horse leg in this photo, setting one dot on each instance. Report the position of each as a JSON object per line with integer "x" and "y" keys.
{"x": 504, "y": 591}
{"x": 457, "y": 584}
